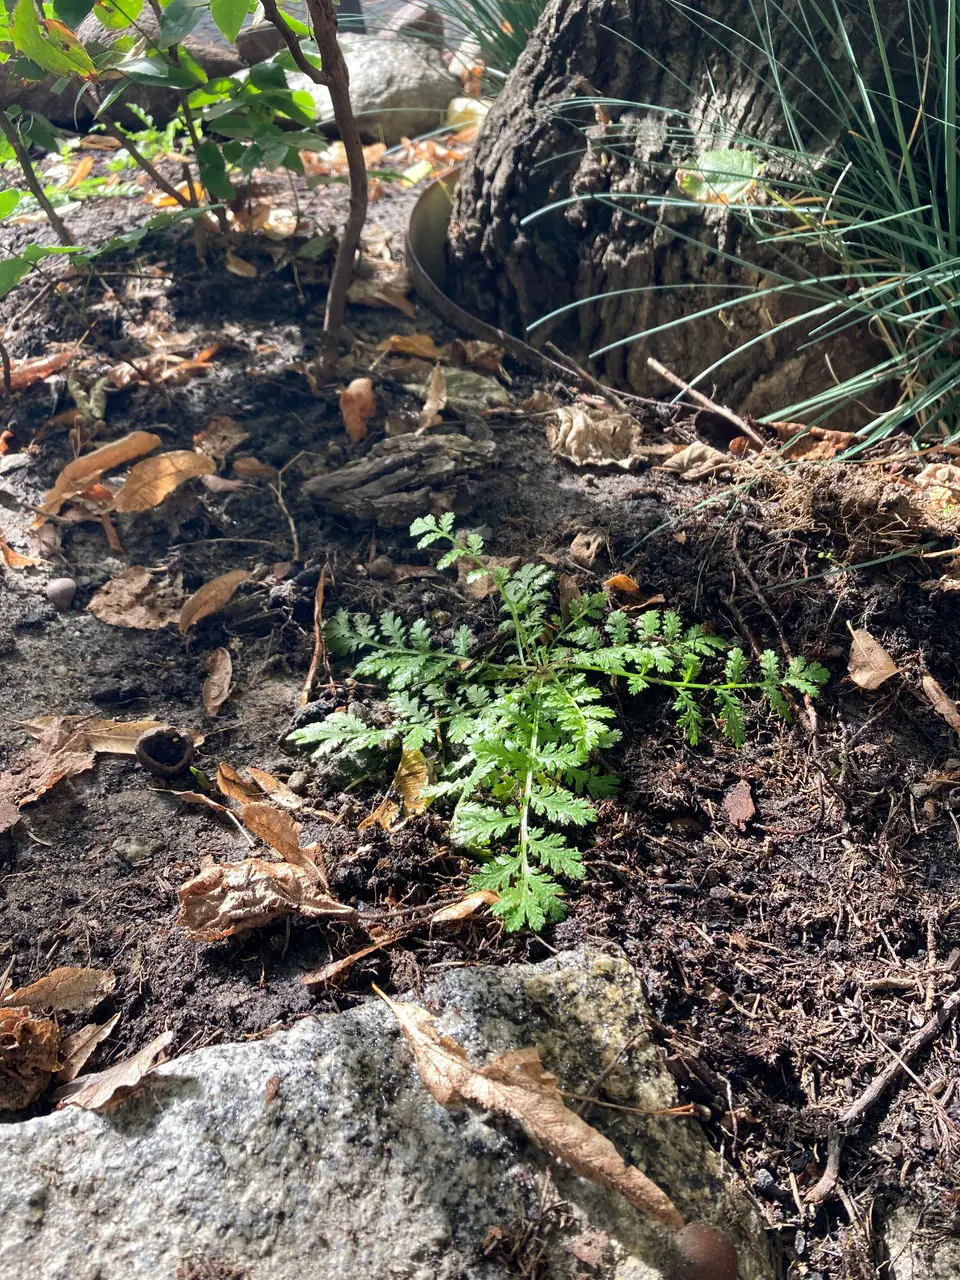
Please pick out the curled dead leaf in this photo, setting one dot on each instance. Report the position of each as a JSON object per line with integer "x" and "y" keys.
{"x": 29, "y": 1049}
{"x": 154, "y": 479}
{"x": 216, "y": 687}
{"x": 568, "y": 592}
{"x": 111, "y": 737}
{"x": 465, "y": 907}
{"x": 240, "y": 267}
{"x": 234, "y": 786}
{"x": 388, "y": 293}
{"x": 421, "y": 345}
{"x": 486, "y": 357}
{"x": 13, "y": 559}
{"x": 483, "y": 584}
{"x": 210, "y": 598}
{"x": 589, "y": 437}
{"x": 585, "y": 547}
{"x": 358, "y": 405}
{"x": 107, "y": 1088}
{"x": 278, "y": 791}
{"x": 436, "y": 400}
{"x": 82, "y": 472}
{"x": 517, "y": 1085}
{"x": 133, "y": 599}
{"x": 696, "y": 461}
{"x": 62, "y": 752}
{"x": 942, "y": 703}
{"x": 220, "y": 437}
{"x": 406, "y": 792}
{"x": 253, "y": 469}
{"x": 623, "y": 583}
{"x": 77, "y": 1048}
{"x": 869, "y": 664}
{"x": 64, "y": 989}
{"x": 225, "y": 900}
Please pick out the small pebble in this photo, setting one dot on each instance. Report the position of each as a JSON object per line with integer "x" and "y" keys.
{"x": 380, "y": 568}
{"x": 704, "y": 1253}
{"x": 298, "y": 782}
{"x": 60, "y": 593}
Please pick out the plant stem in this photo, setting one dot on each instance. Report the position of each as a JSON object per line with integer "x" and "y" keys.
{"x": 336, "y": 78}
{"x": 137, "y": 156}
{"x": 12, "y": 136}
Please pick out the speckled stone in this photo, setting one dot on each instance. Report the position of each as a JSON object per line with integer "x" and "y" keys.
{"x": 317, "y": 1152}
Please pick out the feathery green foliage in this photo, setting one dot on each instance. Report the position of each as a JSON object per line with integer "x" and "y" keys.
{"x": 520, "y": 727}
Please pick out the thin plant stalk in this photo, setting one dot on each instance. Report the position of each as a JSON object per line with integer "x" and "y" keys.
{"x": 12, "y": 136}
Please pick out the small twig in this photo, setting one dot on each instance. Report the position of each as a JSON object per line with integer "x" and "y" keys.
{"x": 5, "y": 359}
{"x": 12, "y": 136}
{"x": 593, "y": 383}
{"x": 319, "y": 647}
{"x": 687, "y": 1109}
{"x": 273, "y": 15}
{"x": 741, "y": 424}
{"x": 930, "y": 1029}
{"x": 278, "y": 494}
{"x": 825, "y": 1187}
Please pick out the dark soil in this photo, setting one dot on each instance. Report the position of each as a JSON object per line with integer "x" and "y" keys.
{"x": 785, "y": 962}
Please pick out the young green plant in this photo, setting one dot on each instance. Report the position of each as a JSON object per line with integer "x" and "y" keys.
{"x": 519, "y": 726}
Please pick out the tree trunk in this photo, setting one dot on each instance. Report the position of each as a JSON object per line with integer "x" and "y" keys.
{"x": 529, "y": 154}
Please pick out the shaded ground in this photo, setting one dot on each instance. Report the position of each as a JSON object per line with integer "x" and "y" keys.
{"x": 785, "y": 962}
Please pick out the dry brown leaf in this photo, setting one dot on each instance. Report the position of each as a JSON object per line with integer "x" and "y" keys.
{"x": 465, "y": 907}
{"x": 133, "y": 599}
{"x": 111, "y": 737}
{"x": 65, "y": 989}
{"x": 406, "y": 792}
{"x": 814, "y": 444}
{"x": 358, "y": 405}
{"x": 76, "y": 1049}
{"x": 154, "y": 479}
{"x": 216, "y": 687}
{"x": 375, "y": 293}
{"x": 275, "y": 828}
{"x": 253, "y": 469}
{"x": 869, "y": 664}
{"x": 483, "y": 584}
{"x": 436, "y": 400}
{"x": 235, "y": 787}
{"x": 486, "y": 357}
{"x": 942, "y": 703}
{"x": 585, "y": 547}
{"x": 210, "y": 598}
{"x": 228, "y": 899}
{"x": 738, "y": 805}
{"x": 61, "y": 753}
{"x": 82, "y": 472}
{"x": 336, "y": 968}
{"x": 220, "y": 437}
{"x": 623, "y": 583}
{"x": 568, "y": 591}
{"x": 107, "y": 1088}
{"x": 517, "y": 1085}
{"x": 696, "y": 462}
{"x": 239, "y": 267}
{"x": 29, "y": 1048}
{"x": 278, "y": 791}
{"x": 27, "y": 372}
{"x": 9, "y": 817}
{"x": 539, "y": 402}
{"x": 13, "y": 559}
{"x": 220, "y": 484}
{"x": 594, "y": 437}
{"x": 421, "y": 345}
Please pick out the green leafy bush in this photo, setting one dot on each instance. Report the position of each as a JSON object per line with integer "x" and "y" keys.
{"x": 519, "y": 726}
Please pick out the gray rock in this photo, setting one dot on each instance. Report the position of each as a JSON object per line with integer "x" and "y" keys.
{"x": 399, "y": 88}
{"x": 60, "y": 593}
{"x": 317, "y": 1152}
{"x": 258, "y": 43}
{"x": 415, "y": 19}
{"x": 918, "y": 1251}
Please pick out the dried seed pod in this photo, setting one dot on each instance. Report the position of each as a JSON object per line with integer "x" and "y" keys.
{"x": 704, "y": 1253}
{"x": 165, "y": 751}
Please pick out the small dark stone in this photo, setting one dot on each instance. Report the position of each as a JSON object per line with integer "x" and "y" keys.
{"x": 704, "y": 1253}
{"x": 60, "y": 593}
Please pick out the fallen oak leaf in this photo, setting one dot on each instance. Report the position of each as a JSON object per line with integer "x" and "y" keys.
{"x": 942, "y": 703}
{"x": 154, "y": 479}
{"x": 132, "y": 599}
{"x": 869, "y": 664}
{"x": 80, "y": 474}
{"x": 358, "y": 405}
{"x": 29, "y": 1048}
{"x": 227, "y": 899}
{"x": 77, "y": 1048}
{"x": 465, "y": 907}
{"x": 220, "y": 437}
{"x": 210, "y": 598}
{"x": 517, "y": 1085}
{"x": 66, "y": 989}
{"x": 107, "y": 1088}
{"x": 216, "y": 687}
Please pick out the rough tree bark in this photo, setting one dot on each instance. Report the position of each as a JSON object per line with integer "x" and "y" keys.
{"x": 529, "y": 154}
